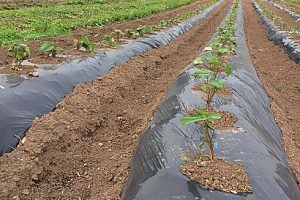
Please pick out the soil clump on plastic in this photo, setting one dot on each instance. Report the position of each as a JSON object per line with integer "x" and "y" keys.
{"x": 218, "y": 174}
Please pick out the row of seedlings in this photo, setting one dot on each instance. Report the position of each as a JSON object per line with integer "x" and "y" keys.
{"x": 214, "y": 67}
{"x": 21, "y": 51}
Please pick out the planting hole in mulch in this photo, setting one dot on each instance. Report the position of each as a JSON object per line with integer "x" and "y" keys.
{"x": 226, "y": 121}
{"x": 224, "y": 92}
{"x": 219, "y": 174}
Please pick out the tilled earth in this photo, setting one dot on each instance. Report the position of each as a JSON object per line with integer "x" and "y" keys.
{"x": 280, "y": 77}
{"x": 82, "y": 150}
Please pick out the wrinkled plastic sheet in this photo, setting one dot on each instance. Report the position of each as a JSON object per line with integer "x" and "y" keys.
{"x": 154, "y": 171}
{"x": 23, "y": 99}
{"x": 293, "y": 14}
{"x": 291, "y": 46}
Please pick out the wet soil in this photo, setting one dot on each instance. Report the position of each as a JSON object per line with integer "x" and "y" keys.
{"x": 276, "y": 70}
{"x": 66, "y": 42}
{"x": 82, "y": 150}
{"x": 218, "y": 174}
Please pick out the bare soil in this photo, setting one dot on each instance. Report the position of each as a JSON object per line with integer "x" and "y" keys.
{"x": 219, "y": 174}
{"x": 275, "y": 69}
{"x": 66, "y": 42}
{"x": 83, "y": 149}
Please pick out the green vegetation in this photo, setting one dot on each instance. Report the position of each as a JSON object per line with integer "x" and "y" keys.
{"x": 278, "y": 21}
{"x": 294, "y": 1}
{"x": 20, "y": 51}
{"x": 51, "y": 49}
{"x": 213, "y": 70}
{"x": 27, "y": 21}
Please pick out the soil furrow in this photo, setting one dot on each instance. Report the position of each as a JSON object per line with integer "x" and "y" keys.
{"x": 83, "y": 149}
{"x": 285, "y": 17}
{"x": 280, "y": 77}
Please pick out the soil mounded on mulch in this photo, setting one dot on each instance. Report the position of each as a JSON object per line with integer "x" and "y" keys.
{"x": 219, "y": 174}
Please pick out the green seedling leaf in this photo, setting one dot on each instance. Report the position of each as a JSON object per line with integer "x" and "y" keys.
{"x": 201, "y": 115}
{"x": 228, "y": 69}
{"x": 202, "y": 73}
{"x": 106, "y": 37}
{"x": 47, "y": 47}
{"x": 204, "y": 88}
{"x": 217, "y": 83}
{"x": 85, "y": 40}
{"x": 197, "y": 61}
{"x": 223, "y": 51}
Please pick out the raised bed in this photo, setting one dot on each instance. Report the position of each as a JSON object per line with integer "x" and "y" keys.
{"x": 279, "y": 37}
{"x": 255, "y": 140}
{"x": 23, "y": 100}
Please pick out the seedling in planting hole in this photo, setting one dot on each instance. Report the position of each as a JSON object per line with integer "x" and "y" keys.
{"x": 118, "y": 34}
{"x": 85, "y": 43}
{"x": 51, "y": 49}
{"x": 20, "y": 51}
{"x": 129, "y": 33}
{"x": 111, "y": 41}
{"x": 140, "y": 30}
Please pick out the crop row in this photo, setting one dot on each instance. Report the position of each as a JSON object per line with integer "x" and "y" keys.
{"x": 21, "y": 51}
{"x": 214, "y": 68}
{"x": 278, "y": 21}
{"x": 35, "y": 23}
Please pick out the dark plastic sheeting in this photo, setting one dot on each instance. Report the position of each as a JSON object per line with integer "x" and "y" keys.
{"x": 291, "y": 46}
{"x": 22, "y": 100}
{"x": 154, "y": 172}
{"x": 294, "y": 15}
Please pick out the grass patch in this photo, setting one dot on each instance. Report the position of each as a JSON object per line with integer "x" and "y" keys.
{"x": 35, "y": 20}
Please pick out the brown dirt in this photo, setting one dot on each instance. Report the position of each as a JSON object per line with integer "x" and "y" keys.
{"x": 224, "y": 92}
{"x": 285, "y": 18}
{"x": 218, "y": 174}
{"x": 292, "y": 6}
{"x": 275, "y": 69}
{"x": 83, "y": 149}
{"x": 66, "y": 42}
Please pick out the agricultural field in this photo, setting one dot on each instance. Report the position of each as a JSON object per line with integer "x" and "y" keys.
{"x": 151, "y": 99}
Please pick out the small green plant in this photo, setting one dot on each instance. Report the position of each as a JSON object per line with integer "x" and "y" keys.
{"x": 85, "y": 43}
{"x": 213, "y": 72}
{"x": 89, "y": 46}
{"x": 50, "y": 49}
{"x": 111, "y": 41}
{"x": 20, "y": 52}
{"x": 118, "y": 33}
{"x": 140, "y": 30}
{"x": 129, "y": 33}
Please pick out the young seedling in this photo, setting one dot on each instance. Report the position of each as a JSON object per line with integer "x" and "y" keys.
{"x": 20, "y": 51}
{"x": 118, "y": 33}
{"x": 212, "y": 73}
{"x": 85, "y": 43}
{"x": 51, "y": 49}
{"x": 111, "y": 41}
{"x": 140, "y": 30}
{"x": 129, "y": 33}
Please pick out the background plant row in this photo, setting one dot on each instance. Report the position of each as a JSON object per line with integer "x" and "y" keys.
{"x": 39, "y": 21}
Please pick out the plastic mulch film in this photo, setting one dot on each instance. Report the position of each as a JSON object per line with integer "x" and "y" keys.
{"x": 291, "y": 46}
{"x": 294, "y": 15}
{"x": 255, "y": 142}
{"x": 22, "y": 99}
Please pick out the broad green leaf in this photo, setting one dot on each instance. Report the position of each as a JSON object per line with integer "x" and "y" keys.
{"x": 204, "y": 88}
{"x": 210, "y": 58}
{"x": 202, "y": 73}
{"x": 47, "y": 46}
{"x": 217, "y": 83}
{"x": 223, "y": 51}
{"x": 85, "y": 40}
{"x": 213, "y": 116}
{"x": 106, "y": 37}
{"x": 197, "y": 61}
{"x": 228, "y": 69}
{"x": 188, "y": 120}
